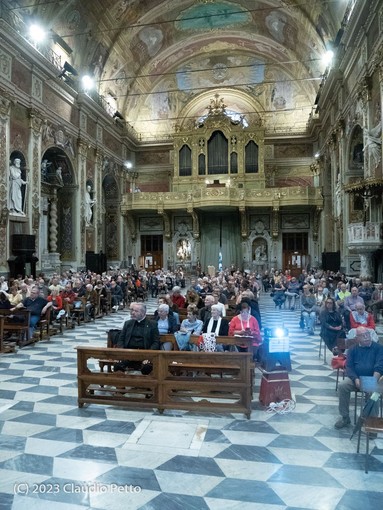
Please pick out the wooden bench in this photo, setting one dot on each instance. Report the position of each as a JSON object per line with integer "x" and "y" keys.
{"x": 178, "y": 380}
{"x": 17, "y": 322}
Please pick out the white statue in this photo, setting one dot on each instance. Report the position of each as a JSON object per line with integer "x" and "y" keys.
{"x": 15, "y": 194}
{"x": 373, "y": 145}
{"x": 260, "y": 253}
{"x": 89, "y": 203}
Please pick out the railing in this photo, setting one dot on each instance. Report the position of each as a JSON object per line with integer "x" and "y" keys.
{"x": 360, "y": 234}
{"x": 235, "y": 197}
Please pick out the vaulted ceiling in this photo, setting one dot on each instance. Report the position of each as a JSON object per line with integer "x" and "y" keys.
{"x": 160, "y": 61}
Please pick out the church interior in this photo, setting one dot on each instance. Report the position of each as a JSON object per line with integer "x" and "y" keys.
{"x": 161, "y": 134}
{"x": 191, "y": 135}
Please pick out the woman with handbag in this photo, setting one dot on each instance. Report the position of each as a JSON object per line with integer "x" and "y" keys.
{"x": 331, "y": 325}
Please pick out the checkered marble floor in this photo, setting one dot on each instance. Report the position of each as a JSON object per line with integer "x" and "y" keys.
{"x": 55, "y": 455}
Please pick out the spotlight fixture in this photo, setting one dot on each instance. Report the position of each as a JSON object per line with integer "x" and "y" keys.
{"x": 87, "y": 82}
{"x": 67, "y": 69}
{"x": 37, "y": 33}
{"x": 117, "y": 115}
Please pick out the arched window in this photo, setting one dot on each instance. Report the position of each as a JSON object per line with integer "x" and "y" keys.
{"x": 185, "y": 161}
{"x": 217, "y": 154}
{"x": 251, "y": 158}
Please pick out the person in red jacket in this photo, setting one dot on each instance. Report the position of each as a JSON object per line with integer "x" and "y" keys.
{"x": 359, "y": 317}
{"x": 245, "y": 324}
{"x": 177, "y": 298}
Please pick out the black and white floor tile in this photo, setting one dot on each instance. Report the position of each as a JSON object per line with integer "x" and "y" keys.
{"x": 55, "y": 455}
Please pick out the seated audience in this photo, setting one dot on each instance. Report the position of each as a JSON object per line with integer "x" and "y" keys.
{"x": 166, "y": 324}
{"x": 37, "y": 305}
{"x": 177, "y": 298}
{"x": 57, "y": 304}
{"x": 292, "y": 292}
{"x": 364, "y": 359}
{"x": 279, "y": 293}
{"x": 138, "y": 332}
{"x": 359, "y": 317}
{"x": 331, "y": 324}
{"x": 5, "y": 304}
{"x": 191, "y": 324}
{"x": 205, "y": 311}
{"x": 245, "y": 324}
{"x": 308, "y": 303}
{"x": 116, "y": 295}
{"x": 216, "y": 323}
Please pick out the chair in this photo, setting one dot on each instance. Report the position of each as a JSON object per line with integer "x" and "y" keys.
{"x": 43, "y": 325}
{"x": 79, "y": 311}
{"x": 371, "y": 425}
{"x": 322, "y": 344}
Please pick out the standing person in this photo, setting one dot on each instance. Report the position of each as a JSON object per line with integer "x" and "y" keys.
{"x": 377, "y": 301}
{"x": 364, "y": 359}
{"x": 331, "y": 324}
{"x": 15, "y": 193}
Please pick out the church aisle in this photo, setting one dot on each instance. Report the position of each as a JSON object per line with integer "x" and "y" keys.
{"x": 100, "y": 457}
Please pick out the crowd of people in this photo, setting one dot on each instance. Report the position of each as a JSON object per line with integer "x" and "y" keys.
{"x": 345, "y": 309}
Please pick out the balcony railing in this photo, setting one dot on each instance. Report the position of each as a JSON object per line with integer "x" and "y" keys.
{"x": 367, "y": 236}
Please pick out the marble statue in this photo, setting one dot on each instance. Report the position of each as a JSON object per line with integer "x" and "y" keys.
{"x": 15, "y": 192}
{"x": 89, "y": 203}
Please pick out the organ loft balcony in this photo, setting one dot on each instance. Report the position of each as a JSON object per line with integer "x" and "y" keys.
{"x": 222, "y": 197}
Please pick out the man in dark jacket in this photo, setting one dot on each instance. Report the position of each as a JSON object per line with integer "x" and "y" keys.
{"x": 364, "y": 359}
{"x": 139, "y": 332}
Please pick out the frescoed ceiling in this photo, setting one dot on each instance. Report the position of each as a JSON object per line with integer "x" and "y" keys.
{"x": 158, "y": 60}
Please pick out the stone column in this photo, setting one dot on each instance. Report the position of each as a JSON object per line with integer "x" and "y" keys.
{"x": 5, "y": 109}
{"x": 80, "y": 233}
{"x": 366, "y": 269}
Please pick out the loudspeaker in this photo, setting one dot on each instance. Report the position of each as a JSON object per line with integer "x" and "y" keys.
{"x": 23, "y": 243}
{"x": 331, "y": 260}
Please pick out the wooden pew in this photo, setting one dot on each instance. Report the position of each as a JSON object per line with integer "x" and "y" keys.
{"x": 17, "y": 322}
{"x": 178, "y": 380}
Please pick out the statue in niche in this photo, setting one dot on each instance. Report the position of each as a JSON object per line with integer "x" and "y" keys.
{"x": 15, "y": 187}
{"x": 183, "y": 249}
{"x": 373, "y": 145}
{"x": 260, "y": 252}
{"x": 89, "y": 203}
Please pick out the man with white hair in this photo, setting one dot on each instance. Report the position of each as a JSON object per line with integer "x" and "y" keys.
{"x": 364, "y": 359}
{"x": 177, "y": 298}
